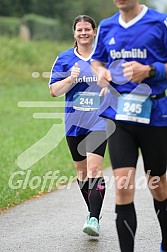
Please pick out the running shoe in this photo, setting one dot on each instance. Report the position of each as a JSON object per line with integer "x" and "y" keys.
{"x": 92, "y": 227}
{"x": 86, "y": 221}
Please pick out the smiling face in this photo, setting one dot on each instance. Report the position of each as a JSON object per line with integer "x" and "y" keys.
{"x": 84, "y": 33}
{"x": 126, "y": 5}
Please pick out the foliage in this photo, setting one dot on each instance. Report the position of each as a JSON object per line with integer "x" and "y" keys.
{"x": 9, "y": 26}
{"x": 20, "y": 59}
{"x": 64, "y": 10}
{"x": 43, "y": 28}
{"x": 59, "y": 15}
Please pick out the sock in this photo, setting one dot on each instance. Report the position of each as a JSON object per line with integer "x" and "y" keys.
{"x": 126, "y": 224}
{"x": 83, "y": 185}
{"x": 161, "y": 211}
{"x": 96, "y": 195}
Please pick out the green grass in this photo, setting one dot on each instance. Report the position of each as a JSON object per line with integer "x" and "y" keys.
{"x": 19, "y": 130}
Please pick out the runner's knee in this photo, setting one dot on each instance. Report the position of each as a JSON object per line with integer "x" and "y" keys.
{"x": 158, "y": 187}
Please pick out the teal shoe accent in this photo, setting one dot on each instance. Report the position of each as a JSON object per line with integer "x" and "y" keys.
{"x": 92, "y": 227}
{"x": 86, "y": 221}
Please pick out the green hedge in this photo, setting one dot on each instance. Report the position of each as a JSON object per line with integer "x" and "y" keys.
{"x": 43, "y": 28}
{"x": 9, "y": 26}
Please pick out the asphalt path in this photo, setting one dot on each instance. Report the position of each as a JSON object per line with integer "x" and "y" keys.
{"x": 54, "y": 222}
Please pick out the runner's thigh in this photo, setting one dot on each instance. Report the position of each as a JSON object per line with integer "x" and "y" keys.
{"x": 123, "y": 146}
{"x": 153, "y": 142}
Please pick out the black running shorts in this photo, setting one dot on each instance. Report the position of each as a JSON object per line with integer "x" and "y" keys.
{"x": 94, "y": 142}
{"x": 124, "y": 145}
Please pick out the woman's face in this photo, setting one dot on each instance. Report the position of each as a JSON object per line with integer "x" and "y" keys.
{"x": 84, "y": 33}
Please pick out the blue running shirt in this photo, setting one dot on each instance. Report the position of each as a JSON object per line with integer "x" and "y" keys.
{"x": 77, "y": 122}
{"x": 143, "y": 39}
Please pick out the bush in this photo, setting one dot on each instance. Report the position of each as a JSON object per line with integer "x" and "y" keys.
{"x": 43, "y": 28}
{"x": 36, "y": 28}
{"x": 9, "y": 26}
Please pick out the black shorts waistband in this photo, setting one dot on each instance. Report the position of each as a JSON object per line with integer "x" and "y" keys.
{"x": 155, "y": 97}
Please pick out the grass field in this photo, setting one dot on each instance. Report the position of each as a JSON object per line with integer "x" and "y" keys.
{"x": 20, "y": 131}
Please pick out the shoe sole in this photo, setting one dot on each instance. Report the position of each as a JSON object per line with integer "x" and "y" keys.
{"x": 90, "y": 231}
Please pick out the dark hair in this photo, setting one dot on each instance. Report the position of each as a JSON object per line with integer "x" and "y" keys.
{"x": 84, "y": 18}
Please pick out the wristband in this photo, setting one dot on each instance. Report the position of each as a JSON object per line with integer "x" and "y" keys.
{"x": 160, "y": 71}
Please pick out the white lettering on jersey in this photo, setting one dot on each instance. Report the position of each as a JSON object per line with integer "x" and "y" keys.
{"x": 86, "y": 79}
{"x": 133, "y": 53}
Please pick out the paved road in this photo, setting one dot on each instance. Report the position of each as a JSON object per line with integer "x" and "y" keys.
{"x": 54, "y": 222}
